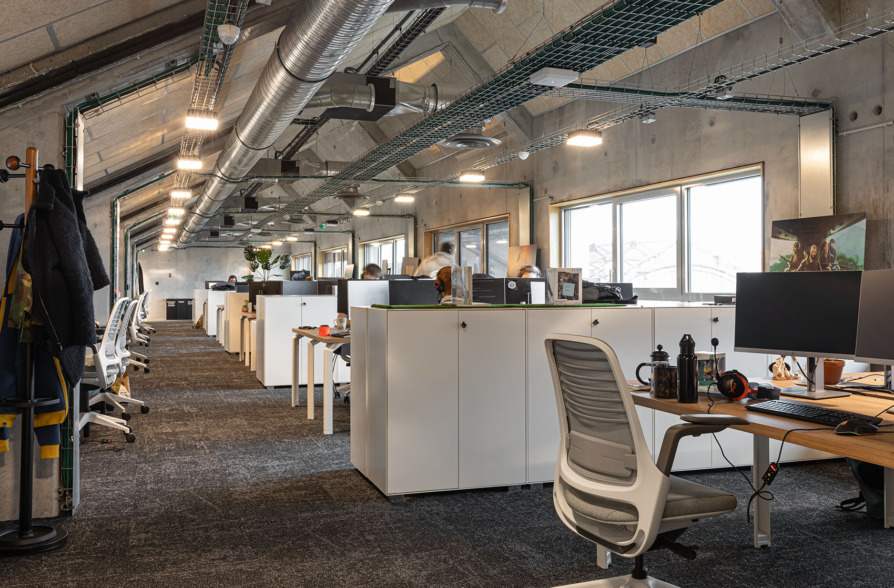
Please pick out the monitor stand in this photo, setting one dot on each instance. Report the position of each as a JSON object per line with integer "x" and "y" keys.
{"x": 811, "y": 393}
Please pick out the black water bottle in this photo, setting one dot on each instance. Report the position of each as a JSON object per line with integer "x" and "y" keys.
{"x": 687, "y": 371}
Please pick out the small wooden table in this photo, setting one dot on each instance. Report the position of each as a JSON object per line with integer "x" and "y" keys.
{"x": 332, "y": 344}
{"x": 877, "y": 449}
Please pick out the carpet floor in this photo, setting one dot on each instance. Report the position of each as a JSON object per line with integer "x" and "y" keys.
{"x": 228, "y": 486}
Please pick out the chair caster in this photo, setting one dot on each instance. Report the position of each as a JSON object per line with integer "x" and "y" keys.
{"x": 146, "y": 370}
{"x": 125, "y": 416}
{"x": 130, "y": 437}
{"x": 144, "y": 409}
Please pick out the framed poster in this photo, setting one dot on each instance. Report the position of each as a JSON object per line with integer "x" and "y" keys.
{"x": 819, "y": 243}
{"x": 564, "y": 285}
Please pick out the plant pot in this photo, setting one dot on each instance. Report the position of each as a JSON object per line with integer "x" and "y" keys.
{"x": 832, "y": 369}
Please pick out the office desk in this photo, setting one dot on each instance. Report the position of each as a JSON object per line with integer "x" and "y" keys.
{"x": 877, "y": 449}
{"x": 332, "y": 344}
{"x": 244, "y": 339}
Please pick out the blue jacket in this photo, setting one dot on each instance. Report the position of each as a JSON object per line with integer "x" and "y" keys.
{"x": 48, "y": 378}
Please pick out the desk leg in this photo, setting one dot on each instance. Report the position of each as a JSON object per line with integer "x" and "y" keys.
{"x": 328, "y": 389}
{"x": 295, "y": 357}
{"x": 889, "y": 498}
{"x": 603, "y": 557}
{"x": 761, "y": 507}
{"x": 310, "y": 378}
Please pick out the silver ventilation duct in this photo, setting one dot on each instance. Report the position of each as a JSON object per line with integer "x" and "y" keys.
{"x": 344, "y": 96}
{"x": 498, "y": 6}
{"x": 318, "y": 37}
{"x": 473, "y": 138}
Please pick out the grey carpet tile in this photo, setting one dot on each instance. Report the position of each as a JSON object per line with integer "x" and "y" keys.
{"x": 229, "y": 486}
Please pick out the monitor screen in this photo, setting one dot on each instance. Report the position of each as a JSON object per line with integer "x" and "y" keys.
{"x": 875, "y": 328}
{"x": 800, "y": 313}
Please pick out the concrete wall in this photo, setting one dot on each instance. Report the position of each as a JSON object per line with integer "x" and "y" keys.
{"x": 176, "y": 273}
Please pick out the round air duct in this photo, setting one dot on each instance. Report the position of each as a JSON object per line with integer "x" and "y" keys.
{"x": 470, "y": 139}
{"x": 351, "y": 196}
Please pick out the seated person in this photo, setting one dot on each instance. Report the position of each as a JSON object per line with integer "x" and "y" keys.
{"x": 371, "y": 272}
{"x": 232, "y": 278}
{"x": 431, "y": 264}
{"x": 529, "y": 271}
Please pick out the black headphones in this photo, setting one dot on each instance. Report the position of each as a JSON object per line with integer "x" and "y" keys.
{"x": 439, "y": 285}
{"x": 733, "y": 385}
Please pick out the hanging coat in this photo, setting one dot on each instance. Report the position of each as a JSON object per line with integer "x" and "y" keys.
{"x": 48, "y": 377}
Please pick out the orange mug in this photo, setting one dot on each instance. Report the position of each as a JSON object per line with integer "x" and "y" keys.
{"x": 324, "y": 330}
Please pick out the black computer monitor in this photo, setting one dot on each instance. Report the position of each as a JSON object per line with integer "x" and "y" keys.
{"x": 875, "y": 327}
{"x": 798, "y": 313}
{"x": 280, "y": 288}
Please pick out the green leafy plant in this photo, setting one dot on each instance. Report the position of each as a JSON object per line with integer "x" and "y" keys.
{"x": 263, "y": 260}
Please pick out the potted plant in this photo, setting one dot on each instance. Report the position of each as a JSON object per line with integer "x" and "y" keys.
{"x": 263, "y": 260}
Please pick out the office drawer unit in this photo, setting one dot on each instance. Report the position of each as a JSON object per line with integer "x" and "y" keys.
{"x": 542, "y": 417}
{"x": 276, "y": 317}
{"x": 233, "y": 321}
{"x": 215, "y": 299}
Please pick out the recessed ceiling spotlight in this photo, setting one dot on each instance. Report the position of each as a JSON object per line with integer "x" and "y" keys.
{"x": 523, "y": 155}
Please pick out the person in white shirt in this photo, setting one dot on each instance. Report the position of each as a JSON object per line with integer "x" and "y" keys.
{"x": 431, "y": 264}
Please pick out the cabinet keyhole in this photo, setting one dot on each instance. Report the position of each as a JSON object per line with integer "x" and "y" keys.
{"x": 596, "y": 322}
{"x": 716, "y": 319}
{"x": 464, "y": 325}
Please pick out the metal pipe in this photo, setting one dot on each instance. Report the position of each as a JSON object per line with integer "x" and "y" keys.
{"x": 319, "y": 36}
{"x": 498, "y": 6}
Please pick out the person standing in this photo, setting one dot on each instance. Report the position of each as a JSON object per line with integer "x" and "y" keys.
{"x": 431, "y": 264}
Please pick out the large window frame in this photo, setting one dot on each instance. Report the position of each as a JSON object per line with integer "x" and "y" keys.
{"x": 385, "y": 242}
{"x": 343, "y": 250}
{"x": 679, "y": 189}
{"x": 434, "y": 236}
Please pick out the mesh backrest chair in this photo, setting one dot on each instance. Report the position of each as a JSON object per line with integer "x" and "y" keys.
{"x": 607, "y": 488}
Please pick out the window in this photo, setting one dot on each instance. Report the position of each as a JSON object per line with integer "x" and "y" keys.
{"x": 334, "y": 262}
{"x": 386, "y": 253}
{"x": 673, "y": 241}
{"x": 484, "y": 246}
{"x": 301, "y": 262}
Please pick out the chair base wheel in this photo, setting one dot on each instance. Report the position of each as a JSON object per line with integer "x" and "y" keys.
{"x": 125, "y": 416}
{"x": 130, "y": 437}
{"x": 144, "y": 409}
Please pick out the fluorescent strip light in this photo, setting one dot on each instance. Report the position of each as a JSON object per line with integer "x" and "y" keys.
{"x": 201, "y": 120}
{"x": 292, "y": 238}
{"x": 405, "y": 198}
{"x": 166, "y": 237}
{"x": 172, "y": 222}
{"x": 169, "y": 230}
{"x": 471, "y": 176}
{"x": 584, "y": 138}
{"x": 187, "y": 163}
{"x": 276, "y": 243}
{"x": 176, "y": 211}
{"x": 181, "y": 194}
{"x": 361, "y": 212}
{"x": 265, "y": 246}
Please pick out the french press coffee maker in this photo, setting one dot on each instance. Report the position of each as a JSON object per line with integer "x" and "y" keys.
{"x": 663, "y": 383}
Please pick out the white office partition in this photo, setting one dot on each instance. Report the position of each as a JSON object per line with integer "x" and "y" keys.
{"x": 199, "y": 297}
{"x": 215, "y": 298}
{"x": 233, "y": 319}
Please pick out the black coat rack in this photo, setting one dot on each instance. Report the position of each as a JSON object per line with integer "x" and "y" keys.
{"x": 28, "y": 538}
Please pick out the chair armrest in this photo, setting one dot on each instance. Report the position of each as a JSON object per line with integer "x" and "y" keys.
{"x": 697, "y": 424}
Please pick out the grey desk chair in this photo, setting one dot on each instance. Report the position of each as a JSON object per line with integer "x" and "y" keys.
{"x": 607, "y": 488}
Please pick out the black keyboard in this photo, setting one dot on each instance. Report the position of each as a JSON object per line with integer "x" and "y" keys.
{"x": 811, "y": 414}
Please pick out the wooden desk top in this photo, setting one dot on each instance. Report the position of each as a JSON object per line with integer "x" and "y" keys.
{"x": 878, "y": 449}
{"x": 315, "y": 335}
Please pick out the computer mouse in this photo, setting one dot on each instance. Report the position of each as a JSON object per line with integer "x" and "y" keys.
{"x": 856, "y": 427}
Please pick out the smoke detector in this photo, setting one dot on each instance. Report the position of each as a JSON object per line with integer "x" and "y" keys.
{"x": 472, "y": 138}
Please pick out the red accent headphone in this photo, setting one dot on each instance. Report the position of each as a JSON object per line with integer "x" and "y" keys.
{"x": 733, "y": 384}
{"x": 439, "y": 285}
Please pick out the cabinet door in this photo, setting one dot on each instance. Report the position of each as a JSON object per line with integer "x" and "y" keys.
{"x": 629, "y": 333}
{"x": 491, "y": 398}
{"x": 693, "y": 453}
{"x": 423, "y": 403}
{"x": 543, "y": 419}
{"x": 723, "y": 327}
{"x": 315, "y": 311}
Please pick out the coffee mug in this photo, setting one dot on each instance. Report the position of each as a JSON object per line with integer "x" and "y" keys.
{"x": 664, "y": 381}
{"x": 341, "y": 323}
{"x": 324, "y": 331}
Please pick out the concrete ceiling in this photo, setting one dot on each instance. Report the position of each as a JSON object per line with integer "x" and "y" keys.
{"x": 462, "y": 48}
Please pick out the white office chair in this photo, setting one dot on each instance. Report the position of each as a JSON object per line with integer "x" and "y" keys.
{"x": 102, "y": 374}
{"x": 124, "y": 361}
{"x": 142, "y": 327}
{"x": 607, "y": 489}
{"x": 134, "y": 337}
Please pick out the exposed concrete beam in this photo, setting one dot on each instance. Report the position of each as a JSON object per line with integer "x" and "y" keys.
{"x": 68, "y": 76}
{"x": 809, "y": 18}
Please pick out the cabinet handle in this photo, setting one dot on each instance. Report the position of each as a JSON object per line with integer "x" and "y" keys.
{"x": 716, "y": 319}
{"x": 596, "y": 322}
{"x": 463, "y": 324}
